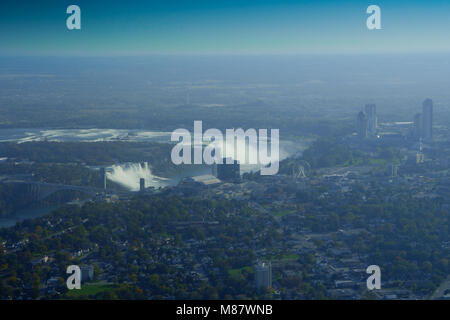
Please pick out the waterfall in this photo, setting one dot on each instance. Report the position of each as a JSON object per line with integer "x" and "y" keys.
{"x": 129, "y": 174}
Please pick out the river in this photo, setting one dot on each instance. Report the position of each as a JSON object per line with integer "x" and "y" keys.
{"x": 126, "y": 174}
{"x": 24, "y": 214}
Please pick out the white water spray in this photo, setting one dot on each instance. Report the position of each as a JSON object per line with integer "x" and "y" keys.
{"x": 129, "y": 174}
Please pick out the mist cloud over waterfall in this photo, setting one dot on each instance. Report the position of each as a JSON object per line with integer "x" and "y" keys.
{"x": 241, "y": 150}
{"x": 129, "y": 174}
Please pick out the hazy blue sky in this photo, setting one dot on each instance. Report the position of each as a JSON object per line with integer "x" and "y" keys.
{"x": 222, "y": 26}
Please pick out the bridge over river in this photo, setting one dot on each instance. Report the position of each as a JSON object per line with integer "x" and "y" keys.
{"x": 40, "y": 190}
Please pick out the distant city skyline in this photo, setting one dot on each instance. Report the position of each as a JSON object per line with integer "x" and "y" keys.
{"x": 230, "y": 27}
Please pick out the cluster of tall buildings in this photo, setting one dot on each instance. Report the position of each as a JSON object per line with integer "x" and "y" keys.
{"x": 367, "y": 121}
{"x": 423, "y": 122}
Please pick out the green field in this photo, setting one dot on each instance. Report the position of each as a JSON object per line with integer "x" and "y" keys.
{"x": 284, "y": 258}
{"x": 237, "y": 273}
{"x": 381, "y": 162}
{"x": 280, "y": 213}
{"x": 89, "y": 290}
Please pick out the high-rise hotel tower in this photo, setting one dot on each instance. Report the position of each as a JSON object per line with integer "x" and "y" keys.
{"x": 427, "y": 118}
